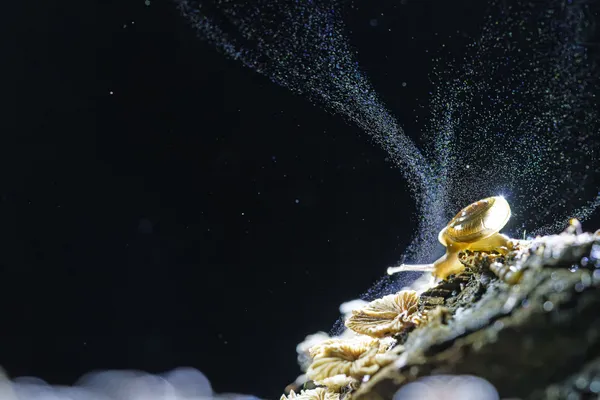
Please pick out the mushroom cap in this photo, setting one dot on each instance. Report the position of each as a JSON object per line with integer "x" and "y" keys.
{"x": 387, "y": 316}
{"x": 477, "y": 221}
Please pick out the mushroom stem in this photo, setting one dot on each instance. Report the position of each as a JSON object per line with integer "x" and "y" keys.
{"x": 410, "y": 267}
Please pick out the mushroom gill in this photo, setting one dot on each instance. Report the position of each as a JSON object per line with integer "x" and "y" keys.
{"x": 387, "y": 316}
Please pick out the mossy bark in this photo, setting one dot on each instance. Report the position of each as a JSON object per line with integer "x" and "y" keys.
{"x": 537, "y": 339}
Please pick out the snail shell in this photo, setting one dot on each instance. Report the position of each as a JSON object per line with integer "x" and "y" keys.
{"x": 477, "y": 221}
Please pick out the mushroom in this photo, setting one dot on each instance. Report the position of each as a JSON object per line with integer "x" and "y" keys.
{"x": 476, "y": 228}
{"x": 356, "y": 357}
{"x": 387, "y": 316}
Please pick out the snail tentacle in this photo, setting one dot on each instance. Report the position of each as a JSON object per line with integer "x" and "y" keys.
{"x": 411, "y": 267}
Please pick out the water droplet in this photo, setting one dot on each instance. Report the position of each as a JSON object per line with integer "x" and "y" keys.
{"x": 581, "y": 383}
{"x": 595, "y": 252}
{"x": 574, "y": 268}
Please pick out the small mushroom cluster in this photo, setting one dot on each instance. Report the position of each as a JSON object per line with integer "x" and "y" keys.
{"x": 339, "y": 365}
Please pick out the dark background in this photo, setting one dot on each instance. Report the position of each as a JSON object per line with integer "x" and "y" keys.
{"x": 162, "y": 206}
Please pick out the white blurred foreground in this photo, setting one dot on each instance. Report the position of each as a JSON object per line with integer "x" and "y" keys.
{"x": 179, "y": 384}
{"x": 446, "y": 387}
{"x": 191, "y": 384}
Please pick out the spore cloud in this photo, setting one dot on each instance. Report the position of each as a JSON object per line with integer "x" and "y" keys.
{"x": 302, "y": 45}
{"x": 517, "y": 115}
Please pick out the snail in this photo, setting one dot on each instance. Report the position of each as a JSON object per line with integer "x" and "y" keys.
{"x": 476, "y": 228}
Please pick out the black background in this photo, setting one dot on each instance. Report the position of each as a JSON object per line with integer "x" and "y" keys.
{"x": 148, "y": 191}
